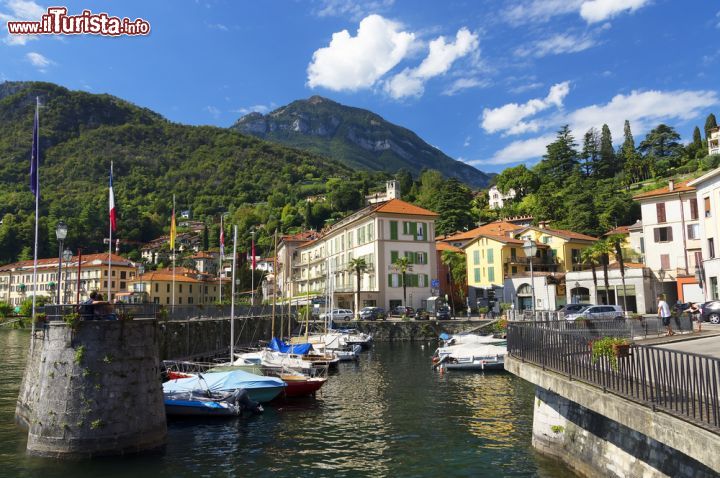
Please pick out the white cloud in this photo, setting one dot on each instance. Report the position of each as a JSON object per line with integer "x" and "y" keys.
{"x": 441, "y": 56}
{"x": 466, "y": 143}
{"x": 39, "y": 61}
{"x": 255, "y": 109}
{"x": 509, "y": 118}
{"x": 594, "y": 11}
{"x": 557, "y": 44}
{"x": 214, "y": 111}
{"x": 354, "y": 9}
{"x": 21, "y": 10}
{"x": 518, "y": 151}
{"x": 526, "y": 87}
{"x": 353, "y": 63}
{"x": 643, "y": 109}
{"x": 463, "y": 84}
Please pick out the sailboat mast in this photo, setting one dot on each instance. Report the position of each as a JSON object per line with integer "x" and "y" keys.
{"x": 232, "y": 298}
{"x": 275, "y": 289}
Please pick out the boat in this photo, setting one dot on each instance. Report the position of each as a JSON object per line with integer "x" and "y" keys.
{"x": 205, "y": 403}
{"x": 260, "y": 388}
{"x": 459, "y": 339}
{"x": 471, "y": 356}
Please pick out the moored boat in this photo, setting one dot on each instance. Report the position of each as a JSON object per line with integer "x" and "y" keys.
{"x": 260, "y": 388}
{"x": 204, "y": 403}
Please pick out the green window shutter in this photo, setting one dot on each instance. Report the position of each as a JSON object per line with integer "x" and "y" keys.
{"x": 476, "y": 257}
{"x": 490, "y": 256}
{"x": 426, "y": 282}
{"x": 477, "y": 274}
{"x": 413, "y": 230}
{"x": 393, "y": 256}
{"x": 393, "y": 230}
{"x": 406, "y": 227}
{"x": 390, "y": 280}
{"x": 491, "y": 274}
{"x": 400, "y": 280}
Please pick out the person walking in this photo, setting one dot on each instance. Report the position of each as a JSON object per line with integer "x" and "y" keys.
{"x": 694, "y": 313}
{"x": 664, "y": 313}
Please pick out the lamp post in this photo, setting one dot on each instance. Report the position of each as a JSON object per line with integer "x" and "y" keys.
{"x": 67, "y": 257}
{"x": 577, "y": 292}
{"x": 530, "y": 249}
{"x": 60, "y": 233}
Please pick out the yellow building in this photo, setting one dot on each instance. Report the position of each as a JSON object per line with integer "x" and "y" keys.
{"x": 563, "y": 247}
{"x": 188, "y": 290}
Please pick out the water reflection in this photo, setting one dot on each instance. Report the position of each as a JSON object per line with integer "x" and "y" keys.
{"x": 388, "y": 415}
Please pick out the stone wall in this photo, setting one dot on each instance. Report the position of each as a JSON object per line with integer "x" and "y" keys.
{"x": 93, "y": 390}
{"x": 601, "y": 434}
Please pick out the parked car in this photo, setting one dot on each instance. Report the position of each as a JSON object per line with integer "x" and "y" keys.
{"x": 443, "y": 313}
{"x": 338, "y": 314}
{"x": 401, "y": 311}
{"x": 422, "y": 314}
{"x": 372, "y": 313}
{"x": 598, "y": 312}
{"x": 573, "y": 308}
{"x": 710, "y": 311}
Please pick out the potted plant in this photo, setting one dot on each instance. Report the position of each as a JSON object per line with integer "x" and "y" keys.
{"x": 610, "y": 347}
{"x": 40, "y": 319}
{"x": 482, "y": 311}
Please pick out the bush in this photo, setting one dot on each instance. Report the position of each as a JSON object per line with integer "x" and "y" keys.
{"x": 26, "y": 305}
{"x": 5, "y": 309}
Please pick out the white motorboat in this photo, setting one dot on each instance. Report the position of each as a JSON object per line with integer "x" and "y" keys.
{"x": 471, "y": 356}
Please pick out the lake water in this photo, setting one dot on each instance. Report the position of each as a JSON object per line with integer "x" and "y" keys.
{"x": 389, "y": 415}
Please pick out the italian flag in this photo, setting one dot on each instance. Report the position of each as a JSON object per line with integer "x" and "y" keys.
{"x": 113, "y": 220}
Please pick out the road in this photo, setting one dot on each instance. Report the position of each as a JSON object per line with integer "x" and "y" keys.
{"x": 707, "y": 346}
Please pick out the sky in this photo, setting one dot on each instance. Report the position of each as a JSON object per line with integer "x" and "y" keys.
{"x": 488, "y": 82}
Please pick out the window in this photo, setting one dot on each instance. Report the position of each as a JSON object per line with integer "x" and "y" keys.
{"x": 665, "y": 261}
{"x": 660, "y": 207}
{"x": 113, "y": 273}
{"x": 706, "y": 203}
{"x": 394, "y": 256}
{"x": 476, "y": 257}
{"x": 513, "y": 270}
{"x": 546, "y": 239}
{"x": 693, "y": 231}
{"x": 122, "y": 285}
{"x": 156, "y": 300}
{"x": 663, "y": 234}
{"x": 350, "y": 239}
{"x": 693, "y": 208}
{"x": 513, "y": 253}
{"x": 491, "y": 274}
{"x": 179, "y": 300}
{"x": 713, "y": 288}
{"x": 490, "y": 256}
{"x": 167, "y": 300}
{"x": 642, "y": 245}
{"x": 190, "y": 300}
{"x": 394, "y": 280}
{"x": 168, "y": 287}
{"x": 711, "y": 248}
{"x": 393, "y": 230}
{"x": 410, "y": 257}
{"x": 190, "y": 286}
{"x": 123, "y": 275}
{"x": 420, "y": 236}
{"x": 477, "y": 274}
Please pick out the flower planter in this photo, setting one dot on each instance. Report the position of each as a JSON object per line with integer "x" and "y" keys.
{"x": 621, "y": 350}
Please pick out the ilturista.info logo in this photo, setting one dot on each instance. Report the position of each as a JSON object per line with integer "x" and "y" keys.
{"x": 57, "y": 22}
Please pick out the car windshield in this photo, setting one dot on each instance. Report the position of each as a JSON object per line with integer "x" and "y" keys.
{"x": 577, "y": 310}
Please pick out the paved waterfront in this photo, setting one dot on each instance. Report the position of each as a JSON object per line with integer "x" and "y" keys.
{"x": 390, "y": 415}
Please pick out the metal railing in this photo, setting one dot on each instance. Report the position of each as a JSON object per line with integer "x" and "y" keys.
{"x": 683, "y": 384}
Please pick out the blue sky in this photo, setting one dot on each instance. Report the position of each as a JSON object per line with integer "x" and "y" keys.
{"x": 487, "y": 82}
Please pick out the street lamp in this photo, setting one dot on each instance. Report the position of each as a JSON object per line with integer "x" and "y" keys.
{"x": 67, "y": 257}
{"x": 60, "y": 233}
{"x": 577, "y": 292}
{"x": 530, "y": 249}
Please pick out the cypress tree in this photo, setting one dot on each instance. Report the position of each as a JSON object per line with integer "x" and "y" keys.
{"x": 710, "y": 123}
{"x": 697, "y": 139}
{"x": 607, "y": 166}
{"x": 561, "y": 159}
{"x": 590, "y": 152}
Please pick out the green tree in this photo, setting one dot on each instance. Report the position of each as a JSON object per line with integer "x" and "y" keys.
{"x": 457, "y": 265}
{"x": 518, "y": 178}
{"x": 590, "y": 153}
{"x": 403, "y": 264}
{"x": 358, "y": 266}
{"x": 405, "y": 180}
{"x": 607, "y": 165}
{"x": 617, "y": 241}
{"x": 561, "y": 159}
{"x": 431, "y": 185}
{"x": 710, "y": 123}
{"x": 604, "y": 249}
{"x": 661, "y": 142}
{"x": 5, "y": 309}
{"x": 452, "y": 207}
{"x": 205, "y": 238}
{"x": 589, "y": 256}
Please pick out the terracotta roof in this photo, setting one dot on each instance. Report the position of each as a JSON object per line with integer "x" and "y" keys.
{"x": 680, "y": 187}
{"x": 204, "y": 255}
{"x": 444, "y": 246}
{"x": 497, "y": 228}
{"x": 53, "y": 262}
{"x": 300, "y": 236}
{"x": 618, "y": 230}
{"x": 564, "y": 233}
{"x": 162, "y": 276}
{"x": 398, "y": 206}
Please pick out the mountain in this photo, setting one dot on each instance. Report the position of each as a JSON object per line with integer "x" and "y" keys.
{"x": 356, "y": 137}
{"x": 209, "y": 169}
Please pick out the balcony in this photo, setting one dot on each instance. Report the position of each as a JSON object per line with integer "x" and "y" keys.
{"x": 537, "y": 261}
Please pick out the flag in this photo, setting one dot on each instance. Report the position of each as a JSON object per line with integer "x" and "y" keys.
{"x": 253, "y": 253}
{"x": 222, "y": 240}
{"x": 113, "y": 220}
{"x": 172, "y": 230}
{"x": 35, "y": 156}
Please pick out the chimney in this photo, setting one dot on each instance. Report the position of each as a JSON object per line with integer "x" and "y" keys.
{"x": 542, "y": 224}
{"x": 671, "y": 185}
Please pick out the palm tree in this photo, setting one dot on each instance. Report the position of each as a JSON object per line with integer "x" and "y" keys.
{"x": 589, "y": 256}
{"x": 617, "y": 240}
{"x": 402, "y": 264}
{"x": 455, "y": 261}
{"x": 359, "y": 266}
{"x": 604, "y": 249}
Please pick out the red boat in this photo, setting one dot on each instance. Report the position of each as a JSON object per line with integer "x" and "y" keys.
{"x": 299, "y": 385}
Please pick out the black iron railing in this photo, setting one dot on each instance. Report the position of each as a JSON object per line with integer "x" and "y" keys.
{"x": 683, "y": 384}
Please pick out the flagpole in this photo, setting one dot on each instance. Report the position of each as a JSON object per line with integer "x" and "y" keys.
{"x": 36, "y": 163}
{"x": 172, "y": 239}
{"x": 222, "y": 250}
{"x": 109, "y": 293}
{"x": 252, "y": 271}
{"x": 232, "y": 297}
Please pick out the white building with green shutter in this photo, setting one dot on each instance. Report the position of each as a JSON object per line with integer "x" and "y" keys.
{"x": 380, "y": 233}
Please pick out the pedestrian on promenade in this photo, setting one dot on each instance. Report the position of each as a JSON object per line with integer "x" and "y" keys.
{"x": 694, "y": 313}
{"x": 664, "y": 313}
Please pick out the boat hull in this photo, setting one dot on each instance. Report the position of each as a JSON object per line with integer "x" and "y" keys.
{"x": 190, "y": 408}
{"x": 302, "y": 388}
{"x": 264, "y": 395}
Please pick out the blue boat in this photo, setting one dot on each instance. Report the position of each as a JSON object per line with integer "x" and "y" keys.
{"x": 259, "y": 388}
{"x": 206, "y": 404}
